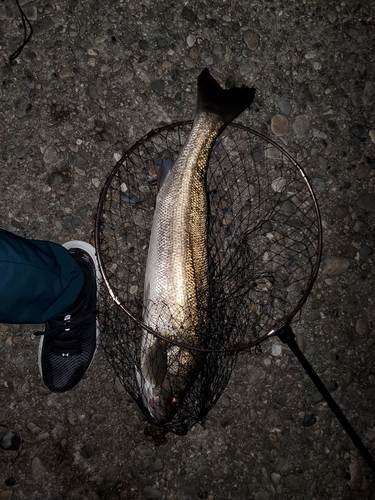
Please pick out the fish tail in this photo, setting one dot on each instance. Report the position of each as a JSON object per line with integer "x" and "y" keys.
{"x": 227, "y": 104}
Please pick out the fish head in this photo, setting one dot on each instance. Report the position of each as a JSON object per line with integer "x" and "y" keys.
{"x": 165, "y": 379}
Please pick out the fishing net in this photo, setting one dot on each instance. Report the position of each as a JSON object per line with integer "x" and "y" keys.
{"x": 264, "y": 246}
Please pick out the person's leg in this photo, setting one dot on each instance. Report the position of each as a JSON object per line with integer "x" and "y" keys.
{"x": 41, "y": 281}
{"x": 38, "y": 279}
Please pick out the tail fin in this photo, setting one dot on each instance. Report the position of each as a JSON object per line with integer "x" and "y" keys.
{"x": 226, "y": 103}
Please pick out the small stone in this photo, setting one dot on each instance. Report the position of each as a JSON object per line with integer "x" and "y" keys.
{"x": 364, "y": 252}
{"x": 371, "y": 134}
{"x": 158, "y": 86}
{"x": 367, "y": 202}
{"x": 251, "y": 39}
{"x": 361, "y": 326}
{"x": 43, "y": 26}
{"x": 319, "y": 184}
{"x": 301, "y": 126}
{"x": 275, "y": 477}
{"x": 336, "y": 265}
{"x": 31, "y": 12}
{"x": 218, "y": 50}
{"x": 30, "y": 83}
{"x": 284, "y": 106}
{"x": 158, "y": 465}
{"x": 143, "y": 44}
{"x": 279, "y": 125}
{"x": 65, "y": 73}
{"x": 37, "y": 467}
{"x": 150, "y": 493}
{"x": 295, "y": 483}
{"x": 190, "y": 40}
{"x": 2, "y": 127}
{"x": 87, "y": 451}
{"x": 304, "y": 93}
{"x": 49, "y": 154}
{"x": 20, "y": 152}
{"x": 278, "y": 185}
{"x": 332, "y": 16}
{"x": 308, "y": 420}
{"x": 341, "y": 211}
{"x": 7, "y": 12}
{"x": 358, "y": 133}
{"x": 368, "y": 94}
{"x": 21, "y": 104}
{"x": 276, "y": 350}
{"x": 311, "y": 54}
{"x": 81, "y": 162}
{"x": 189, "y": 15}
{"x": 162, "y": 43}
{"x": 10, "y": 441}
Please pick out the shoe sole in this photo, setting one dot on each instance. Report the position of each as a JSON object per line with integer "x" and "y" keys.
{"x": 83, "y": 245}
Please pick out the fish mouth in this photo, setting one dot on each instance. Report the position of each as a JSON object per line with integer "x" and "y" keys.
{"x": 157, "y": 408}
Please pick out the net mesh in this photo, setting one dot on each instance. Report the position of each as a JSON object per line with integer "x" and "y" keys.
{"x": 264, "y": 244}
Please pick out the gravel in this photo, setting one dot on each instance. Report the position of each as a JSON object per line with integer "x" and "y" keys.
{"x": 96, "y": 77}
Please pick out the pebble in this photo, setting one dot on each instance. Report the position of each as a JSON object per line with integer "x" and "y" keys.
{"x": 30, "y": 83}
{"x": 361, "y": 326}
{"x": 279, "y": 125}
{"x": 332, "y": 16}
{"x": 190, "y": 40}
{"x": 276, "y": 350}
{"x": 150, "y": 493}
{"x": 365, "y": 252}
{"x": 301, "y": 126}
{"x": 372, "y": 135}
{"x": 367, "y": 202}
{"x": 336, "y": 265}
{"x": 21, "y": 104}
{"x": 304, "y": 93}
{"x": 158, "y": 86}
{"x": 88, "y": 451}
{"x": 49, "y": 154}
{"x": 11, "y": 441}
{"x": 65, "y": 73}
{"x": 319, "y": 184}
{"x": 308, "y": 420}
{"x": 189, "y": 15}
{"x": 295, "y": 483}
{"x": 31, "y": 12}
{"x": 20, "y": 151}
{"x": 358, "y": 133}
{"x": 2, "y": 127}
{"x": 43, "y": 26}
{"x": 278, "y": 185}
{"x": 251, "y": 39}
{"x": 7, "y": 12}
{"x": 37, "y": 467}
{"x": 275, "y": 477}
{"x": 284, "y": 106}
{"x": 158, "y": 465}
{"x": 341, "y": 211}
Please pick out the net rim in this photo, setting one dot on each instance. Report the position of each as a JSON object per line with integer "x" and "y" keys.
{"x": 279, "y": 325}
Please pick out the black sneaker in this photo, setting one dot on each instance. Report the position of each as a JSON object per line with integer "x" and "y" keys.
{"x": 68, "y": 344}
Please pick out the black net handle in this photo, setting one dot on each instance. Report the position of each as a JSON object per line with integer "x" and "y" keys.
{"x": 287, "y": 336}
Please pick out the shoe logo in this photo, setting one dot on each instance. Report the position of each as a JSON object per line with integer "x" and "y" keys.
{"x": 65, "y": 354}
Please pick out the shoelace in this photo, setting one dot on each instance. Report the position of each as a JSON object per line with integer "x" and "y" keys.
{"x": 67, "y": 337}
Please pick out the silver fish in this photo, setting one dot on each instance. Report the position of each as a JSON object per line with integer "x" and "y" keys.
{"x": 176, "y": 288}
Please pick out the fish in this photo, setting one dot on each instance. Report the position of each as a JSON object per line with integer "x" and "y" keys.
{"x": 176, "y": 285}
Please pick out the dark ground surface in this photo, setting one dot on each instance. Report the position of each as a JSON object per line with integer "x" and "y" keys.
{"x": 97, "y": 76}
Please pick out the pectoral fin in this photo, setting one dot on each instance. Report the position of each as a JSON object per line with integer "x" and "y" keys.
{"x": 165, "y": 168}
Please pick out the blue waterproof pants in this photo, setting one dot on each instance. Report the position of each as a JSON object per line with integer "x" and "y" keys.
{"x": 38, "y": 279}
